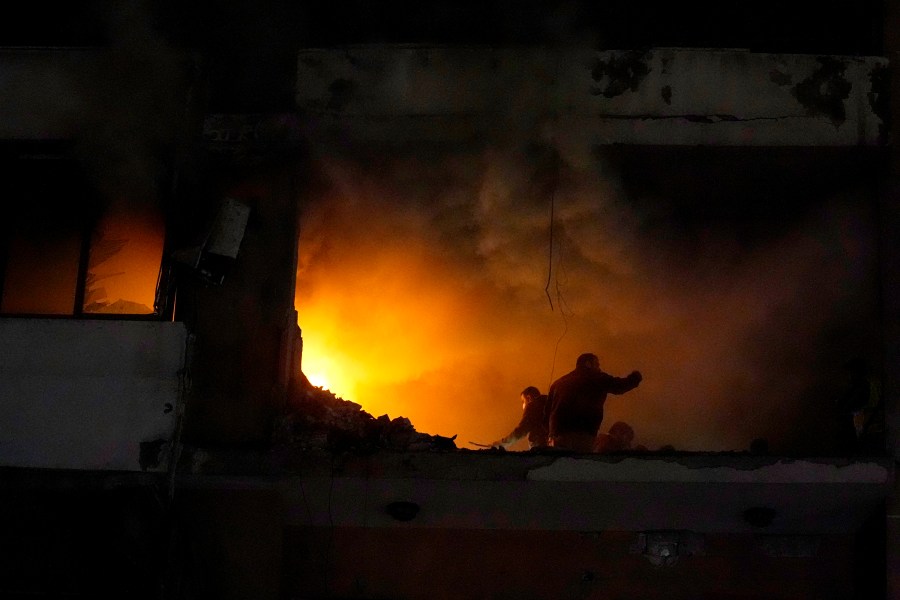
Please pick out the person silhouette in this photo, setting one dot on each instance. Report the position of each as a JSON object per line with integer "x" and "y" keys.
{"x": 576, "y": 403}
{"x": 533, "y": 422}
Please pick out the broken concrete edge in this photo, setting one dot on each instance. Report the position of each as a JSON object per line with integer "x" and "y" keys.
{"x": 539, "y": 466}
{"x": 257, "y": 464}
{"x": 323, "y": 431}
{"x": 687, "y": 470}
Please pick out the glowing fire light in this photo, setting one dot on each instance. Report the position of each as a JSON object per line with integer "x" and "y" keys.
{"x": 430, "y": 301}
{"x": 125, "y": 253}
{"x": 319, "y": 380}
{"x": 324, "y": 372}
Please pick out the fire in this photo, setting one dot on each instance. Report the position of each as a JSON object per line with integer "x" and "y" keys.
{"x": 423, "y": 291}
{"x": 324, "y": 371}
{"x": 126, "y": 252}
{"x": 410, "y": 321}
{"x": 319, "y": 380}
{"x": 366, "y": 331}
{"x": 124, "y": 256}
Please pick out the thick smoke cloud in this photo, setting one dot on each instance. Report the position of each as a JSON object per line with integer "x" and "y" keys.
{"x": 430, "y": 279}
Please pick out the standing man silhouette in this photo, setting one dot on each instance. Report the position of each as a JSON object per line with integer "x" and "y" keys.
{"x": 576, "y": 403}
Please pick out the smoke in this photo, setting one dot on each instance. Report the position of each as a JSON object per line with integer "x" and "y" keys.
{"x": 429, "y": 278}
{"x": 123, "y": 105}
{"x": 133, "y": 105}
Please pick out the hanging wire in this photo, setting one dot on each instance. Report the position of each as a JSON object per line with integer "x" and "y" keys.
{"x": 553, "y": 275}
{"x": 563, "y": 305}
{"x": 550, "y": 252}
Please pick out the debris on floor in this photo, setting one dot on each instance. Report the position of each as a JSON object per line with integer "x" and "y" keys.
{"x": 319, "y": 420}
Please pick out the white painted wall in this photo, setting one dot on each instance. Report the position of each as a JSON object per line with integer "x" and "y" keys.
{"x": 84, "y": 394}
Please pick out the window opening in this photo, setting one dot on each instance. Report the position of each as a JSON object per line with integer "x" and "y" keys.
{"x": 63, "y": 254}
{"x": 124, "y": 259}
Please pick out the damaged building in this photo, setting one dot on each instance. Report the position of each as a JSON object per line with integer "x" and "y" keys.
{"x": 471, "y": 194}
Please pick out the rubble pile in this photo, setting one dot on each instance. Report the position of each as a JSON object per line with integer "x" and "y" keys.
{"x": 319, "y": 420}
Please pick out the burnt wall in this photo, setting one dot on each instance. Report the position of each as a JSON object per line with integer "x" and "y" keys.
{"x": 237, "y": 367}
{"x": 422, "y": 563}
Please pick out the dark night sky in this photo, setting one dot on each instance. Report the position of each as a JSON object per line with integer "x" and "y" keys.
{"x": 827, "y": 26}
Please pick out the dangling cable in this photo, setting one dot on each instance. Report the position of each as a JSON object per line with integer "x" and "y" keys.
{"x": 561, "y": 301}
{"x": 550, "y": 253}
